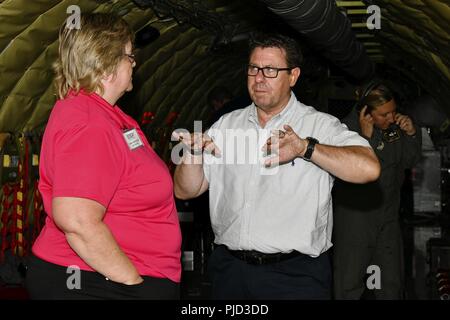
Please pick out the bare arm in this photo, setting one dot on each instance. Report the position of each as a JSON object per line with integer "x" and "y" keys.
{"x": 356, "y": 164}
{"x": 82, "y": 222}
{"x": 189, "y": 178}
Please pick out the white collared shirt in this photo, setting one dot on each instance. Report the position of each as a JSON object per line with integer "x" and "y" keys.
{"x": 280, "y": 209}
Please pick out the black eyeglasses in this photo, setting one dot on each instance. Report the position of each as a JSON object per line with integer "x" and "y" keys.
{"x": 130, "y": 56}
{"x": 268, "y": 72}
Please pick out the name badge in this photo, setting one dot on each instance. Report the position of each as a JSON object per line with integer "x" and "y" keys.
{"x": 132, "y": 138}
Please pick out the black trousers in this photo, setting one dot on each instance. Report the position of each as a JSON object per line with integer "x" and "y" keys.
{"x": 301, "y": 277}
{"x": 48, "y": 281}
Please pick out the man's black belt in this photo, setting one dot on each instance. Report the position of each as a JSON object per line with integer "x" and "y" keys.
{"x": 259, "y": 258}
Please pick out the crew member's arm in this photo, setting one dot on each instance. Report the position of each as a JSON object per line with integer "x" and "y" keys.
{"x": 81, "y": 220}
{"x": 366, "y": 127}
{"x": 356, "y": 164}
{"x": 412, "y": 144}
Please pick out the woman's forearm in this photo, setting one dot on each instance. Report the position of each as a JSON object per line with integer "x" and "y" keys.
{"x": 95, "y": 244}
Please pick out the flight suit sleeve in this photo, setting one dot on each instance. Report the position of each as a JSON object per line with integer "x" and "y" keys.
{"x": 412, "y": 149}
{"x": 352, "y": 122}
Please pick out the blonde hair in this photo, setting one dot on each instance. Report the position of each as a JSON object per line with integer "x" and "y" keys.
{"x": 378, "y": 95}
{"x": 87, "y": 54}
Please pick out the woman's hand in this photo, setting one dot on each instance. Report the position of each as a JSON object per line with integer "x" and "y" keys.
{"x": 81, "y": 220}
{"x": 366, "y": 123}
{"x": 405, "y": 123}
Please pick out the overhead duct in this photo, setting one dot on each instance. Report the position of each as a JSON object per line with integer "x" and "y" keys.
{"x": 145, "y": 36}
{"x": 330, "y": 32}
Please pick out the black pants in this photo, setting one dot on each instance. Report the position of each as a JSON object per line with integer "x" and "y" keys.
{"x": 49, "y": 281}
{"x": 301, "y": 277}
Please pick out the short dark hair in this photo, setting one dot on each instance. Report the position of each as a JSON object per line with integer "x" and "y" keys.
{"x": 218, "y": 93}
{"x": 294, "y": 56}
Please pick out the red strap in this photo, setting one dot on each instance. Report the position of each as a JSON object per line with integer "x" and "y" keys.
{"x": 7, "y": 190}
{"x": 15, "y": 215}
{"x": 19, "y": 224}
{"x": 171, "y": 117}
{"x": 25, "y": 188}
{"x": 147, "y": 117}
{"x": 38, "y": 209}
{"x": 13, "y": 228}
{"x": 18, "y": 212}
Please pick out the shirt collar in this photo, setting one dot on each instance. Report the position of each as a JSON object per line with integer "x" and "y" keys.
{"x": 114, "y": 112}
{"x": 284, "y": 114}
{"x": 94, "y": 96}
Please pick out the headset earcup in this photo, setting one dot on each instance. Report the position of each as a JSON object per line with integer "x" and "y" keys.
{"x": 367, "y": 89}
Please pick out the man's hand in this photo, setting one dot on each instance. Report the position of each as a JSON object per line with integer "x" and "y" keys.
{"x": 189, "y": 177}
{"x": 286, "y": 145}
{"x": 196, "y": 143}
{"x": 405, "y": 123}
{"x": 366, "y": 123}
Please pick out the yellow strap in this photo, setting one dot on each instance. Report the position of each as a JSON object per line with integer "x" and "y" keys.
{"x": 35, "y": 161}
{"x": 6, "y": 160}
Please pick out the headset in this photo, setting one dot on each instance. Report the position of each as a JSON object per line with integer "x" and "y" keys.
{"x": 392, "y": 133}
{"x": 366, "y": 91}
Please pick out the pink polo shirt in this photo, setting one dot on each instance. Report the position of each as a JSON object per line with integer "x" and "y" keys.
{"x": 84, "y": 154}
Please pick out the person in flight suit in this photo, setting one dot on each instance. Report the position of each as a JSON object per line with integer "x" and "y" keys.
{"x": 366, "y": 217}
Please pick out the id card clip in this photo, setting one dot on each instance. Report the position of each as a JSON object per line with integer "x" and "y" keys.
{"x": 132, "y": 138}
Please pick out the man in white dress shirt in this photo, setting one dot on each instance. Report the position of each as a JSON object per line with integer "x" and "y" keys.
{"x": 270, "y": 169}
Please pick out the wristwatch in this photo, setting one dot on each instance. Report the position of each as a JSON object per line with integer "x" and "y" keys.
{"x": 310, "y": 148}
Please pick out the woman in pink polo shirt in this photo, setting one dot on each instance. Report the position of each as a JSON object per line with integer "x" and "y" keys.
{"x": 112, "y": 228}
